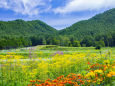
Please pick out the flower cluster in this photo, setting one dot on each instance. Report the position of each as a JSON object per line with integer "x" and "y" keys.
{"x": 96, "y": 75}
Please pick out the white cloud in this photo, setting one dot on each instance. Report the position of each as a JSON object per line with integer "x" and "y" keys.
{"x": 82, "y": 5}
{"x": 63, "y": 22}
{"x": 26, "y": 7}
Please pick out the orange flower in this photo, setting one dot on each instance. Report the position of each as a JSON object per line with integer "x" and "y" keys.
{"x": 109, "y": 75}
{"x": 88, "y": 63}
{"x": 32, "y": 81}
{"x": 60, "y": 85}
{"x": 55, "y": 81}
{"x": 69, "y": 82}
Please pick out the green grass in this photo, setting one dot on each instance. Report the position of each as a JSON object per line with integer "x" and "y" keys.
{"x": 18, "y": 73}
{"x": 46, "y": 51}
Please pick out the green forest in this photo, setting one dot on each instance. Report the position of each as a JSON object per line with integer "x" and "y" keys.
{"x": 96, "y": 31}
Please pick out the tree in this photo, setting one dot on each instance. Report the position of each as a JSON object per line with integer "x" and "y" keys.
{"x": 98, "y": 47}
{"x": 44, "y": 41}
{"x": 100, "y": 43}
{"x": 76, "y": 44}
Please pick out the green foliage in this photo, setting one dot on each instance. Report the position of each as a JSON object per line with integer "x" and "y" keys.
{"x": 76, "y": 44}
{"x": 98, "y": 47}
{"x": 98, "y": 30}
{"x": 101, "y": 43}
{"x": 21, "y": 33}
{"x": 100, "y": 27}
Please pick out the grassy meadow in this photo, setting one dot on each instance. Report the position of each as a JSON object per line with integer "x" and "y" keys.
{"x": 57, "y": 66}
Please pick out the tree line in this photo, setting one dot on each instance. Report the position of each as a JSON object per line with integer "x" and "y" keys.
{"x": 97, "y": 31}
{"x": 107, "y": 40}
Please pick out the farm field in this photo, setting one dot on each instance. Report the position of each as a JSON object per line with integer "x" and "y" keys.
{"x": 57, "y": 66}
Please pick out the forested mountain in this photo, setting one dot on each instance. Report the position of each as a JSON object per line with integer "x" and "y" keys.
{"x": 99, "y": 30}
{"x": 100, "y": 27}
{"x": 25, "y": 28}
{"x": 24, "y": 33}
{"x": 100, "y": 24}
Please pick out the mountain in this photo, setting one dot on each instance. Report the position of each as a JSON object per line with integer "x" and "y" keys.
{"x": 100, "y": 24}
{"x": 25, "y": 28}
{"x": 96, "y": 31}
{"x": 20, "y": 33}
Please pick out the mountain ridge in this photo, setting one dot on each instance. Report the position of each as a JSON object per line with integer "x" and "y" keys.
{"x": 98, "y": 30}
{"x": 22, "y": 27}
{"x": 104, "y": 20}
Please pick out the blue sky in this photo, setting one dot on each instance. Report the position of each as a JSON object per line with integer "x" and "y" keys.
{"x": 57, "y": 13}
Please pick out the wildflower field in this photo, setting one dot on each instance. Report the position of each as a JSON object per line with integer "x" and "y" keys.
{"x": 57, "y": 66}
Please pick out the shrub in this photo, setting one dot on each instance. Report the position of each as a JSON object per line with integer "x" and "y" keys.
{"x": 98, "y": 47}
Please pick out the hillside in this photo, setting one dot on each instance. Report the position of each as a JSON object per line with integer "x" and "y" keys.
{"x": 96, "y": 31}
{"x": 25, "y": 28}
{"x": 24, "y": 33}
{"x": 98, "y": 25}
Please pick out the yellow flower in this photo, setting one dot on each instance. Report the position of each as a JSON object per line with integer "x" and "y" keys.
{"x": 99, "y": 81}
{"x": 90, "y": 74}
{"x": 106, "y": 61}
{"x": 89, "y": 81}
{"x": 98, "y": 71}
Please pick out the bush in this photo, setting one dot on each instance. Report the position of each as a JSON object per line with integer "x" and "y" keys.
{"x": 98, "y": 47}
